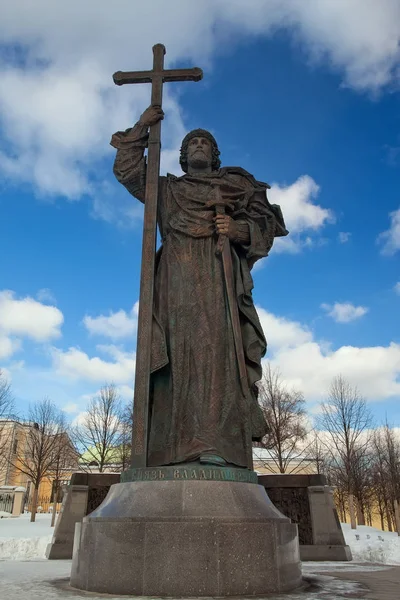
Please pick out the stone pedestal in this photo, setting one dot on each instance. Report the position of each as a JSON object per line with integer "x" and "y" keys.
{"x": 18, "y": 504}
{"x": 308, "y": 501}
{"x": 85, "y": 493}
{"x": 73, "y": 509}
{"x": 328, "y": 539}
{"x": 186, "y": 538}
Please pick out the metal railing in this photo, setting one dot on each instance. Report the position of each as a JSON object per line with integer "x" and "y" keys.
{"x": 6, "y": 502}
{"x": 44, "y": 505}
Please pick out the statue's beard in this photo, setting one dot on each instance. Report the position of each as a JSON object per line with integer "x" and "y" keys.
{"x": 199, "y": 161}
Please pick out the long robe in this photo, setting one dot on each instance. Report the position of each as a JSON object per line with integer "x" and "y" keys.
{"x": 196, "y": 402}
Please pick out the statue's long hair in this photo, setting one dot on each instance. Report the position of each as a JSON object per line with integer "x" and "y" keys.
{"x": 215, "y": 161}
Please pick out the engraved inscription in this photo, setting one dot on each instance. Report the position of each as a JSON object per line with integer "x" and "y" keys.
{"x": 192, "y": 473}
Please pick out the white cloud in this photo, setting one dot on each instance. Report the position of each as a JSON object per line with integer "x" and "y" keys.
{"x": 60, "y": 112}
{"x": 390, "y": 239}
{"x": 344, "y": 236}
{"x": 304, "y": 361}
{"x": 58, "y": 103}
{"x": 310, "y": 365}
{"x": 282, "y": 333}
{"x": 300, "y": 212}
{"x": 25, "y": 318}
{"x": 116, "y": 325}
{"x": 8, "y": 346}
{"x": 126, "y": 392}
{"x": 397, "y": 288}
{"x": 344, "y": 312}
{"x": 76, "y": 364}
{"x": 359, "y": 38}
{"x": 46, "y": 296}
{"x": 79, "y": 419}
{"x": 70, "y": 408}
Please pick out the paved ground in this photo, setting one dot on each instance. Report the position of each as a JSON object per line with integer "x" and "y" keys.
{"x": 382, "y": 585}
{"x": 48, "y": 580}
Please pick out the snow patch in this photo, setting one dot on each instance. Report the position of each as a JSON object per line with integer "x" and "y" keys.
{"x": 369, "y": 544}
{"x": 23, "y": 548}
{"x": 22, "y": 540}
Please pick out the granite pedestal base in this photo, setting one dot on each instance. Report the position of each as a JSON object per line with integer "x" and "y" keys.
{"x": 186, "y": 538}
{"x": 325, "y": 553}
{"x": 308, "y": 501}
{"x": 72, "y": 511}
{"x": 85, "y": 493}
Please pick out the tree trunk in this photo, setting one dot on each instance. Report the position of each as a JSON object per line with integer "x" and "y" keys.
{"x": 369, "y": 515}
{"x": 382, "y": 520}
{"x": 397, "y": 516}
{"x": 360, "y": 514}
{"x": 340, "y": 512}
{"x": 53, "y": 514}
{"x": 352, "y": 512}
{"x": 54, "y": 511}
{"x": 388, "y": 519}
{"x": 281, "y": 465}
{"x": 34, "y": 504}
{"x": 343, "y": 509}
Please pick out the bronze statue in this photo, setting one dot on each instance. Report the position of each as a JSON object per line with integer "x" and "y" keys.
{"x": 202, "y": 408}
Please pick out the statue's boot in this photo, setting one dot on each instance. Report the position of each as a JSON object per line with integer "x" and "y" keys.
{"x": 208, "y": 458}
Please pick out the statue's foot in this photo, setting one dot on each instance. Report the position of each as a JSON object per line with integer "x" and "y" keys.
{"x": 208, "y": 458}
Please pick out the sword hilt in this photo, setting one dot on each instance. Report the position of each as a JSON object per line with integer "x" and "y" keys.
{"x": 220, "y": 210}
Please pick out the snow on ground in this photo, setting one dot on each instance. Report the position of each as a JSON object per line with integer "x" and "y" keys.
{"x": 369, "y": 544}
{"x": 22, "y": 540}
{"x": 25, "y": 573}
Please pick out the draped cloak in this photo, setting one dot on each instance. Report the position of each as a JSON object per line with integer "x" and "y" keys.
{"x": 196, "y": 401}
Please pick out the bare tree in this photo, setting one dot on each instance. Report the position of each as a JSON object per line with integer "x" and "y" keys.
{"x": 100, "y": 432}
{"x": 362, "y": 480}
{"x": 6, "y": 410}
{"x": 125, "y": 446}
{"x": 284, "y": 412}
{"x": 387, "y": 472}
{"x": 318, "y": 452}
{"x": 346, "y": 421}
{"x": 380, "y": 484}
{"x": 6, "y": 397}
{"x": 65, "y": 460}
{"x": 42, "y": 439}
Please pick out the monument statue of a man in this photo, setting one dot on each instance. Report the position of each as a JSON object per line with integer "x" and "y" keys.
{"x": 198, "y": 409}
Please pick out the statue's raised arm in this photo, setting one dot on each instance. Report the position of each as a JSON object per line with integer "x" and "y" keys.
{"x": 130, "y": 162}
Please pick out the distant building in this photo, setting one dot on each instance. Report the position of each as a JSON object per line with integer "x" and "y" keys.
{"x": 13, "y": 435}
{"x": 14, "y": 447}
{"x": 264, "y": 464}
{"x": 117, "y": 460}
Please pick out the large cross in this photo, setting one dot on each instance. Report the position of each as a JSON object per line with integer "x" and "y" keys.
{"x": 143, "y": 349}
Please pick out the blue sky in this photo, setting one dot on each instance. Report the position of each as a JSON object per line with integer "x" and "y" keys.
{"x": 303, "y": 95}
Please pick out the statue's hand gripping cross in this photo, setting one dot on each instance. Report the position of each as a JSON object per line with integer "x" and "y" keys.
{"x": 143, "y": 350}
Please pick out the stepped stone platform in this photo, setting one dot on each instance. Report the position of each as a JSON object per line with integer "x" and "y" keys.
{"x": 190, "y": 536}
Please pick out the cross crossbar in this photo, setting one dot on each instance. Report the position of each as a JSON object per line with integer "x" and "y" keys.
{"x": 194, "y": 74}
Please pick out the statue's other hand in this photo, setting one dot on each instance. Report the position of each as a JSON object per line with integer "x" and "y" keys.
{"x": 225, "y": 225}
{"x": 151, "y": 115}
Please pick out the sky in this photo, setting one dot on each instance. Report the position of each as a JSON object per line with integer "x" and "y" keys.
{"x": 304, "y": 95}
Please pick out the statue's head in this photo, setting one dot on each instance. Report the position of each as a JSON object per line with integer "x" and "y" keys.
{"x": 199, "y": 150}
